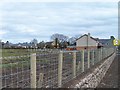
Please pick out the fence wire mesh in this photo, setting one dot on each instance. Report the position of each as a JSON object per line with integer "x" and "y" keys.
{"x": 67, "y": 67}
{"x": 16, "y": 70}
{"x": 78, "y": 63}
{"x": 47, "y": 69}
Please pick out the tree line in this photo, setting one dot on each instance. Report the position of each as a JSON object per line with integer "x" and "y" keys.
{"x": 56, "y": 41}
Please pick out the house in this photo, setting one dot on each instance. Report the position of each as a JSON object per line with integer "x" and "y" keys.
{"x": 22, "y": 45}
{"x": 49, "y": 44}
{"x": 86, "y": 42}
{"x": 6, "y": 45}
{"x": 107, "y": 42}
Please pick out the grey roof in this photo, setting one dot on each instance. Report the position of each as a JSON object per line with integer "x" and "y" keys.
{"x": 103, "y": 41}
{"x": 87, "y": 35}
{"x": 49, "y": 43}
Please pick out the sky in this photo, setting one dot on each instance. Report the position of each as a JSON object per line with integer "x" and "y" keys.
{"x": 23, "y": 21}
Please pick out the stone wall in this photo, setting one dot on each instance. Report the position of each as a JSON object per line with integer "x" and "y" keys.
{"x": 92, "y": 80}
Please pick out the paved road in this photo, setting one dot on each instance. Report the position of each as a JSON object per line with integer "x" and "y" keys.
{"x": 111, "y": 78}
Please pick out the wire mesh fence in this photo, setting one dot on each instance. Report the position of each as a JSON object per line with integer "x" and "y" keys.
{"x": 78, "y": 63}
{"x": 16, "y": 72}
{"x": 48, "y": 68}
{"x": 67, "y": 67}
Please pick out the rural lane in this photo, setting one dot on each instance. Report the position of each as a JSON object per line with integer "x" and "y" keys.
{"x": 111, "y": 78}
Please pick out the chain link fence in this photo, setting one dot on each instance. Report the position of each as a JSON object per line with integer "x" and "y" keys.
{"x": 48, "y": 68}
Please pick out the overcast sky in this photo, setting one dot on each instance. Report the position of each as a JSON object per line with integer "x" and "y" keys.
{"x": 23, "y": 21}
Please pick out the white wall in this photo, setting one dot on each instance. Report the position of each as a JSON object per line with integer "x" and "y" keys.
{"x": 83, "y": 42}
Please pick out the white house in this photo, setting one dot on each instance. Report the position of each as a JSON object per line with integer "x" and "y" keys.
{"x": 86, "y": 42}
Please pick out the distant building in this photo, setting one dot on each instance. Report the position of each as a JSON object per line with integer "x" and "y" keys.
{"x": 106, "y": 42}
{"x": 86, "y": 42}
{"x": 49, "y": 44}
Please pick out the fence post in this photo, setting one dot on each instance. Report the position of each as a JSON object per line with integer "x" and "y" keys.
{"x": 1, "y": 72}
{"x": 78, "y": 67}
{"x": 40, "y": 81}
{"x": 33, "y": 70}
{"x": 74, "y": 64}
{"x": 101, "y": 54}
{"x": 60, "y": 69}
{"x": 105, "y": 53}
{"x": 1, "y": 66}
{"x": 93, "y": 57}
{"x": 88, "y": 58}
{"x": 82, "y": 60}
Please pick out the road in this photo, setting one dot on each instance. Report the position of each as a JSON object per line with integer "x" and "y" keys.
{"x": 111, "y": 78}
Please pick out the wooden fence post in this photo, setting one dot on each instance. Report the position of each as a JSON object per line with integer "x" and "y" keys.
{"x": 60, "y": 63}
{"x": 105, "y": 53}
{"x": 101, "y": 54}
{"x": 33, "y": 70}
{"x": 1, "y": 73}
{"x": 1, "y": 66}
{"x": 88, "y": 58}
{"x": 78, "y": 67}
{"x": 82, "y": 60}
{"x": 40, "y": 81}
{"x": 74, "y": 64}
{"x": 93, "y": 58}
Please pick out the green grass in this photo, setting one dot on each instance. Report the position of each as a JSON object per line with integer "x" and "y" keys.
{"x": 25, "y": 61}
{"x": 22, "y": 64}
{"x": 15, "y": 52}
{"x": 19, "y": 52}
{"x": 13, "y": 65}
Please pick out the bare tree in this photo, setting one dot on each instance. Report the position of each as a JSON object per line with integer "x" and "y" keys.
{"x": 41, "y": 44}
{"x": 60, "y": 40}
{"x": 34, "y": 43}
{"x": 60, "y": 37}
{"x": 73, "y": 39}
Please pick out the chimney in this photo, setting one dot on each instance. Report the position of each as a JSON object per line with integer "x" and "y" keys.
{"x": 88, "y": 35}
{"x": 88, "y": 40}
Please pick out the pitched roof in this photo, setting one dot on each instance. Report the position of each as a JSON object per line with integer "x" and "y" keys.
{"x": 96, "y": 39}
{"x": 103, "y": 41}
{"x": 49, "y": 42}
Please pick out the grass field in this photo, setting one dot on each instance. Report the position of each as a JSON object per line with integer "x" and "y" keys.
{"x": 16, "y": 69}
{"x": 14, "y": 52}
{"x": 21, "y": 52}
{"x": 13, "y": 57}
